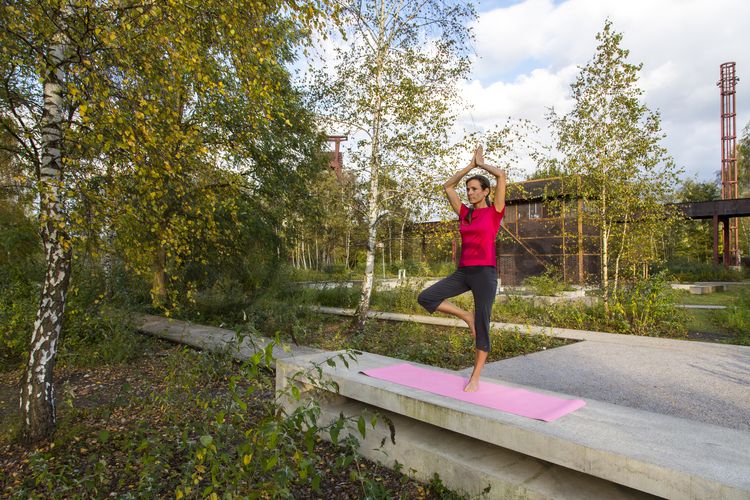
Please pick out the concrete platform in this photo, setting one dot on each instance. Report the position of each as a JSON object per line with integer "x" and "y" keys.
{"x": 699, "y": 306}
{"x": 468, "y": 466}
{"x": 701, "y": 381}
{"x": 215, "y": 339}
{"x": 466, "y": 462}
{"x": 657, "y": 454}
{"x": 698, "y": 381}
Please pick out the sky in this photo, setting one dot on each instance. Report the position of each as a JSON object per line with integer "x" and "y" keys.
{"x": 528, "y": 52}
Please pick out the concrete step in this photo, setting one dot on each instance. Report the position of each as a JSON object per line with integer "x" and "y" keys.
{"x": 468, "y": 466}
{"x": 700, "y": 306}
{"x": 656, "y": 454}
{"x": 212, "y": 338}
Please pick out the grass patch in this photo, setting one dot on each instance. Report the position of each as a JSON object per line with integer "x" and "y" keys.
{"x": 649, "y": 311}
{"x": 451, "y": 348}
{"x": 730, "y": 325}
{"x": 730, "y": 297}
{"x": 705, "y": 320}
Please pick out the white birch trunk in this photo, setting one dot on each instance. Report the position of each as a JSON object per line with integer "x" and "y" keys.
{"x": 348, "y": 239}
{"x": 401, "y": 242}
{"x": 619, "y": 255}
{"x": 37, "y": 399}
{"x": 605, "y": 251}
{"x": 372, "y": 209}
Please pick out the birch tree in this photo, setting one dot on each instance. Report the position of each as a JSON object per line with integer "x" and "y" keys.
{"x": 611, "y": 141}
{"x": 71, "y": 74}
{"x": 392, "y": 85}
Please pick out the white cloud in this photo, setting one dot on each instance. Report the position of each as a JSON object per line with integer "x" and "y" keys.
{"x": 527, "y": 55}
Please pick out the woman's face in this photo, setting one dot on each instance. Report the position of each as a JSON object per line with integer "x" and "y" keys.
{"x": 475, "y": 192}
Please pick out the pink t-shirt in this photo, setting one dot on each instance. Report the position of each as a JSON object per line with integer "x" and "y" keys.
{"x": 478, "y": 238}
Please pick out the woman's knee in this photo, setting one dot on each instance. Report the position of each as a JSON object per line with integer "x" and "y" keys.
{"x": 483, "y": 344}
{"x": 423, "y": 300}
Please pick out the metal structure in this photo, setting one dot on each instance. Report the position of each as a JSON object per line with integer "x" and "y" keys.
{"x": 544, "y": 229}
{"x": 729, "y": 179}
{"x": 336, "y": 156}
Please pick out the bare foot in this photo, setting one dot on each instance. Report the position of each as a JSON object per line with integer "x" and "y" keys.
{"x": 472, "y": 386}
{"x": 469, "y": 319}
{"x": 479, "y": 156}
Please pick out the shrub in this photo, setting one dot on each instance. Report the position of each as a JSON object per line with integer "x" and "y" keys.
{"x": 737, "y": 318}
{"x": 549, "y": 283}
{"x": 417, "y": 268}
{"x": 691, "y": 271}
{"x": 18, "y": 306}
{"x": 648, "y": 307}
{"x": 401, "y": 299}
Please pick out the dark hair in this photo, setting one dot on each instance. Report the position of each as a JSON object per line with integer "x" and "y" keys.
{"x": 485, "y": 183}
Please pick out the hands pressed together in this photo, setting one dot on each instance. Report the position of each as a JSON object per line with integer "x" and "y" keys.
{"x": 477, "y": 160}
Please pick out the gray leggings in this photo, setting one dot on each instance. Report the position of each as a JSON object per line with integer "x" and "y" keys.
{"x": 482, "y": 281}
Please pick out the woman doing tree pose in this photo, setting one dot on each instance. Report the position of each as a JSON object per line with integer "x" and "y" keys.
{"x": 476, "y": 269}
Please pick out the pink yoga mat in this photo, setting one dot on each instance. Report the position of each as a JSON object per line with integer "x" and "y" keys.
{"x": 496, "y": 396}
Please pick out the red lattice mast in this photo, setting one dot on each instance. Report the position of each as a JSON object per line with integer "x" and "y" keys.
{"x": 729, "y": 184}
{"x": 336, "y": 155}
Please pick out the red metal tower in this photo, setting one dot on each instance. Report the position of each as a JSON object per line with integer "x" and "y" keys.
{"x": 336, "y": 156}
{"x": 729, "y": 185}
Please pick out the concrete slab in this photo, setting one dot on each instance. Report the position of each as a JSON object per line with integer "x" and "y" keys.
{"x": 658, "y": 454}
{"x": 564, "y": 333}
{"x": 701, "y": 381}
{"x": 699, "y": 306}
{"x": 464, "y": 464}
{"x": 215, "y": 339}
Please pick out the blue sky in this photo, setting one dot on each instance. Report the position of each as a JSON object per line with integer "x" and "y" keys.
{"x": 528, "y": 52}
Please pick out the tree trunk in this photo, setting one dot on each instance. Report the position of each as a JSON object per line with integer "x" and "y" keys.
{"x": 372, "y": 212}
{"x": 605, "y": 269}
{"x": 348, "y": 238}
{"x": 159, "y": 284}
{"x": 107, "y": 258}
{"x": 390, "y": 246}
{"x": 604, "y": 249}
{"x": 401, "y": 242}
{"x": 37, "y": 401}
{"x": 619, "y": 255}
{"x": 372, "y": 221}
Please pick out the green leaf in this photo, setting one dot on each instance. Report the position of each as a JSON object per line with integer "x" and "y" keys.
{"x": 103, "y": 436}
{"x": 361, "y": 425}
{"x": 206, "y": 440}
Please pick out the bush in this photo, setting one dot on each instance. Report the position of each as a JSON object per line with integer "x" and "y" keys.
{"x": 416, "y": 268}
{"x": 690, "y": 271}
{"x": 550, "y": 284}
{"x": 340, "y": 296}
{"x": 101, "y": 336}
{"x": 19, "y": 302}
{"x": 648, "y": 307}
{"x": 224, "y": 301}
{"x": 212, "y": 429}
{"x": 737, "y": 318}
{"x": 402, "y": 299}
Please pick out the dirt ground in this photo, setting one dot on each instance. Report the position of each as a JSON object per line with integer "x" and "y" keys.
{"x": 98, "y": 387}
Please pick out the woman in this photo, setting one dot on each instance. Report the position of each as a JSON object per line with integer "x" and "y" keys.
{"x": 476, "y": 269}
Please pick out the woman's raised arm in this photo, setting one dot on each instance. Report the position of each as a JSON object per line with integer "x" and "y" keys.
{"x": 499, "y": 175}
{"x": 450, "y": 185}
